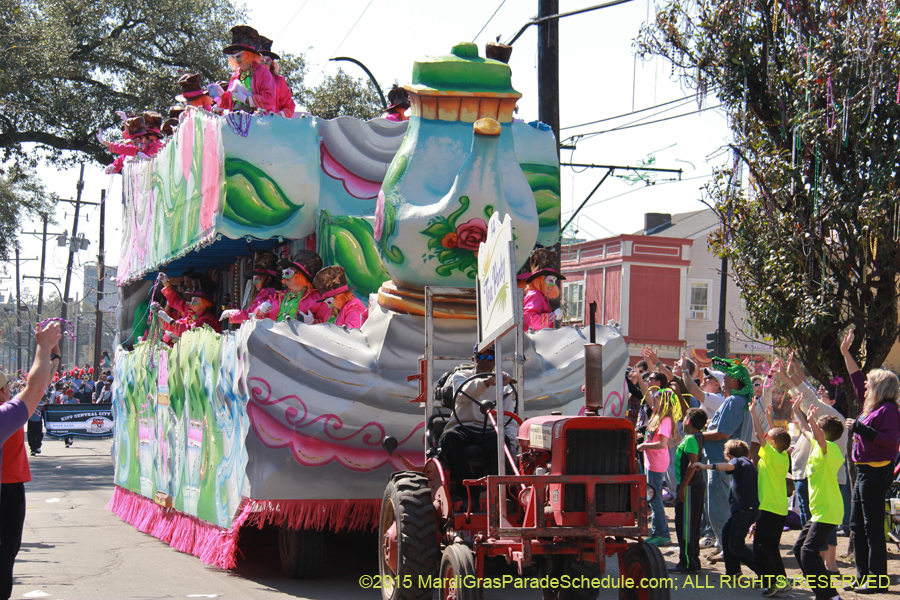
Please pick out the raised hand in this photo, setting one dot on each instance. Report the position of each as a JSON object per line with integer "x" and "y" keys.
{"x": 847, "y": 342}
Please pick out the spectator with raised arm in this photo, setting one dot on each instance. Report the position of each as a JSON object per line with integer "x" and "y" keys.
{"x": 876, "y": 436}
{"x": 730, "y": 422}
{"x": 14, "y": 412}
{"x": 825, "y": 506}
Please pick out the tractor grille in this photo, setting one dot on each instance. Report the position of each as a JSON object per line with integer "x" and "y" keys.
{"x": 598, "y": 452}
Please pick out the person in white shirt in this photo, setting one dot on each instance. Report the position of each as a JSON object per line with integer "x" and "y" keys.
{"x": 467, "y": 425}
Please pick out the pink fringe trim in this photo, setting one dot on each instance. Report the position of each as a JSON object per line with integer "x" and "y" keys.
{"x": 217, "y": 546}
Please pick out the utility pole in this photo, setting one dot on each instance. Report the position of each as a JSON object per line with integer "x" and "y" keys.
{"x": 64, "y": 311}
{"x": 40, "y": 304}
{"x": 101, "y": 274}
{"x": 548, "y": 66}
{"x": 18, "y": 314}
{"x": 723, "y": 287}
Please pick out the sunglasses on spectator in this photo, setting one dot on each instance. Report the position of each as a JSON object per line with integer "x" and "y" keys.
{"x": 484, "y": 356}
{"x": 757, "y": 384}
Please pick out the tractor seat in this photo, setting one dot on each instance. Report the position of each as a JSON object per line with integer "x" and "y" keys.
{"x": 434, "y": 430}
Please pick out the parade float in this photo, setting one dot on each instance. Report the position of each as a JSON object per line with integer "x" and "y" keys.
{"x": 281, "y": 423}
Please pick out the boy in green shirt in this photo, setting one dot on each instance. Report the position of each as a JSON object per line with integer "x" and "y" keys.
{"x": 825, "y": 504}
{"x": 774, "y": 464}
{"x": 691, "y": 492}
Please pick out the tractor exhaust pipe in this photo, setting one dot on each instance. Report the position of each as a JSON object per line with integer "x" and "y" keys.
{"x": 593, "y": 379}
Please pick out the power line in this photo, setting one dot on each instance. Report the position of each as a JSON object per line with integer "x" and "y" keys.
{"x": 631, "y": 126}
{"x": 646, "y": 187}
{"x": 489, "y": 20}
{"x": 291, "y": 21}
{"x": 634, "y": 112}
{"x": 334, "y": 53}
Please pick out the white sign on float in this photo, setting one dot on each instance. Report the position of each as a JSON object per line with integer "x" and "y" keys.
{"x": 496, "y": 281}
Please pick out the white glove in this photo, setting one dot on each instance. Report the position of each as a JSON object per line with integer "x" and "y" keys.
{"x": 264, "y": 308}
{"x": 227, "y": 314}
{"x": 558, "y": 314}
{"x": 142, "y": 156}
{"x": 164, "y": 316}
{"x": 110, "y": 169}
{"x": 308, "y": 317}
{"x": 122, "y": 115}
{"x": 215, "y": 90}
{"x": 240, "y": 93}
{"x": 100, "y": 136}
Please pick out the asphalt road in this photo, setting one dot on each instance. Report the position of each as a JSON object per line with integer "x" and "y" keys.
{"x": 74, "y": 549}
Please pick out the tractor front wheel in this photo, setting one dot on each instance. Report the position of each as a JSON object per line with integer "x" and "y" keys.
{"x": 408, "y": 541}
{"x": 458, "y": 574}
{"x": 644, "y": 562}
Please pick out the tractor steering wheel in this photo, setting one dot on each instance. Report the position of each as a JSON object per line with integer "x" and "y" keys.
{"x": 485, "y": 405}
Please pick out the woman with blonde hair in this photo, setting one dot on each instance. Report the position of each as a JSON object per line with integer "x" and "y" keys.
{"x": 666, "y": 407}
{"x": 876, "y": 436}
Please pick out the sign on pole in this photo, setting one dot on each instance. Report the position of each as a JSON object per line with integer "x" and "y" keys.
{"x": 496, "y": 282}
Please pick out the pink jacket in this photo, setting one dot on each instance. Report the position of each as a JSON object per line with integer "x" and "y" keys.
{"x": 351, "y": 314}
{"x": 284, "y": 101}
{"x": 270, "y": 295}
{"x": 188, "y": 320}
{"x": 262, "y": 86}
{"x": 132, "y": 150}
{"x": 537, "y": 311}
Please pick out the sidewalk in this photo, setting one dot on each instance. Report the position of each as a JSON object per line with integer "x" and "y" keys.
{"x": 74, "y": 549}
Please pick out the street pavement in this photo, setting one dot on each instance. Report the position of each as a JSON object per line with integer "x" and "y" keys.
{"x": 73, "y": 548}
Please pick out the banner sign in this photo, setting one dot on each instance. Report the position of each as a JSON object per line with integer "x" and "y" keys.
{"x": 496, "y": 281}
{"x": 84, "y": 420}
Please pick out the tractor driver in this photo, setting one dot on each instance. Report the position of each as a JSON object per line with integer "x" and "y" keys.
{"x": 466, "y": 428}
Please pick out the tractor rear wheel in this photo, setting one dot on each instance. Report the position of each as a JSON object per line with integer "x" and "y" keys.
{"x": 409, "y": 546}
{"x": 458, "y": 568}
{"x": 575, "y": 569}
{"x": 645, "y": 561}
{"x": 301, "y": 552}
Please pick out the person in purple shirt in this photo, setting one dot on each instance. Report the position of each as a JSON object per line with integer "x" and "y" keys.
{"x": 876, "y": 437}
{"x": 15, "y": 412}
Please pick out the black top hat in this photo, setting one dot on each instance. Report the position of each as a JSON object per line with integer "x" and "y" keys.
{"x": 264, "y": 47}
{"x": 397, "y": 97}
{"x": 175, "y": 111}
{"x": 330, "y": 282}
{"x": 134, "y": 127}
{"x": 204, "y": 287}
{"x": 152, "y": 121}
{"x": 265, "y": 265}
{"x": 169, "y": 126}
{"x": 243, "y": 37}
{"x": 543, "y": 263}
{"x": 190, "y": 87}
{"x": 308, "y": 262}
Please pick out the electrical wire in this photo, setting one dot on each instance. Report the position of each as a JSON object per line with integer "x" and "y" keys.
{"x": 638, "y": 124}
{"x": 489, "y": 20}
{"x": 685, "y": 99}
{"x": 334, "y": 53}
{"x": 291, "y": 21}
{"x": 645, "y": 187}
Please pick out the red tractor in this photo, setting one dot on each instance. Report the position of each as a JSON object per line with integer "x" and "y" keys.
{"x": 574, "y": 500}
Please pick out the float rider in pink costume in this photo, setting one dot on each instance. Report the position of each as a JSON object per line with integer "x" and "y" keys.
{"x": 284, "y": 100}
{"x": 267, "y": 302}
{"x": 344, "y": 309}
{"x": 300, "y": 300}
{"x": 541, "y": 286}
{"x": 399, "y": 100}
{"x": 199, "y": 310}
{"x": 251, "y": 86}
